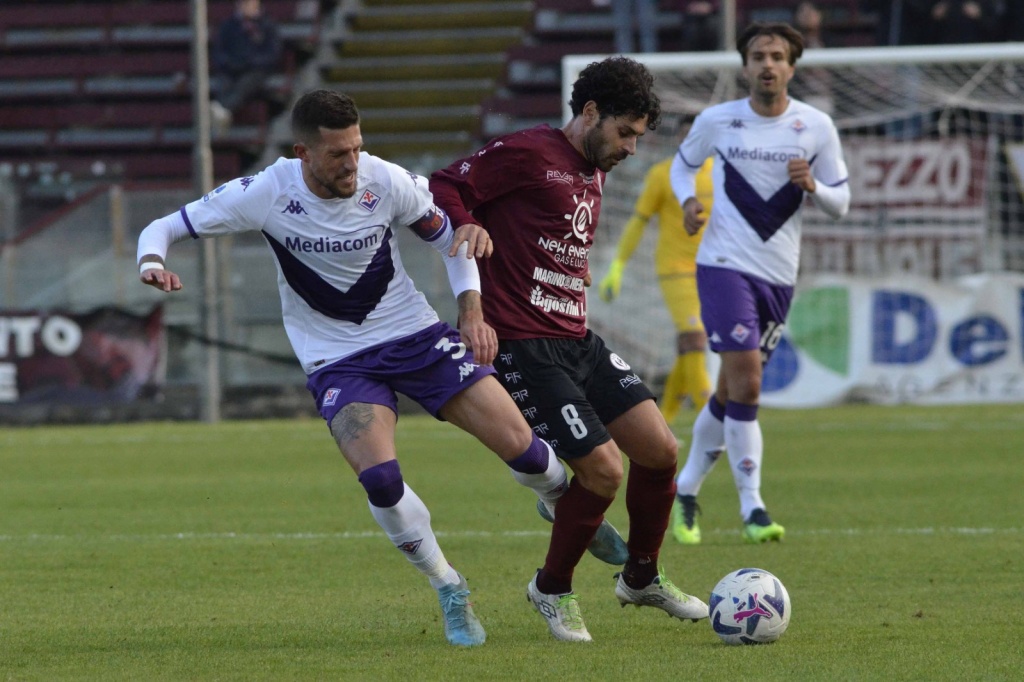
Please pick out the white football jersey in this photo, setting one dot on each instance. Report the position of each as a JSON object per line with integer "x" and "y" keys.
{"x": 755, "y": 224}
{"x": 343, "y": 287}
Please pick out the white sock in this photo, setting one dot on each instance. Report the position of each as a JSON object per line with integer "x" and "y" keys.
{"x": 549, "y": 485}
{"x": 407, "y": 525}
{"x": 745, "y": 445}
{"x": 707, "y": 445}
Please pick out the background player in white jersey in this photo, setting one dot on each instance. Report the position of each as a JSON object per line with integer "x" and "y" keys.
{"x": 771, "y": 151}
{"x": 359, "y": 327}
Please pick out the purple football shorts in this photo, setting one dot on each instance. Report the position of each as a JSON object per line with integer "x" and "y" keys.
{"x": 740, "y": 311}
{"x": 430, "y": 367}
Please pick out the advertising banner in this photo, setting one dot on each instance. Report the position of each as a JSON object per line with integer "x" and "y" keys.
{"x": 917, "y": 206}
{"x": 900, "y": 340}
{"x": 100, "y": 357}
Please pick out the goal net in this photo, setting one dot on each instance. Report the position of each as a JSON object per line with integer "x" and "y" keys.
{"x": 934, "y": 141}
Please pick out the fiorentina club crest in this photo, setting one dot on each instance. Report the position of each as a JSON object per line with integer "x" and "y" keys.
{"x": 369, "y": 201}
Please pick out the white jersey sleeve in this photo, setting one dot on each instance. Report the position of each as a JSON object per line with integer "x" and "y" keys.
{"x": 241, "y": 205}
{"x": 416, "y": 209}
{"x": 691, "y": 155}
{"x": 832, "y": 191}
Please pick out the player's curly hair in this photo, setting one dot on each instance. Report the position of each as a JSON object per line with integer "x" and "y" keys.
{"x": 774, "y": 28}
{"x": 322, "y": 108}
{"x": 619, "y": 86}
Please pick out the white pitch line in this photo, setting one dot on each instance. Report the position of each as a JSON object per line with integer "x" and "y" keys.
{"x": 359, "y": 535}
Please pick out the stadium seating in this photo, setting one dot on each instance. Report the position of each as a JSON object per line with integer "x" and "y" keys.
{"x": 531, "y": 91}
{"x": 86, "y": 86}
{"x": 419, "y": 69}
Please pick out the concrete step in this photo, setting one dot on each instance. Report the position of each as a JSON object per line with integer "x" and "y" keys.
{"x": 400, "y": 5}
{"x": 418, "y": 93}
{"x": 392, "y": 43}
{"x": 448, "y": 145}
{"x": 419, "y": 119}
{"x": 379, "y": 69}
{"x": 463, "y": 15}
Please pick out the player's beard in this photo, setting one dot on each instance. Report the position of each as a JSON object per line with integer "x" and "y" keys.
{"x": 333, "y": 188}
{"x": 595, "y": 149}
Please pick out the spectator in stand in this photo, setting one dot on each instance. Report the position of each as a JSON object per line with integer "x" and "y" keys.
{"x": 812, "y": 85}
{"x": 636, "y": 25}
{"x": 246, "y": 51}
{"x": 1011, "y": 19}
{"x": 901, "y": 22}
{"x": 701, "y": 26}
{"x": 964, "y": 21}
{"x": 807, "y": 19}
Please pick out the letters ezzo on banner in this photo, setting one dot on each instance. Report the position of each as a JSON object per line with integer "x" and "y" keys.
{"x": 901, "y": 340}
{"x": 100, "y": 357}
{"x": 918, "y": 207}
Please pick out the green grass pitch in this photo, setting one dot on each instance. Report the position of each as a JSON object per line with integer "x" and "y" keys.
{"x": 245, "y": 551}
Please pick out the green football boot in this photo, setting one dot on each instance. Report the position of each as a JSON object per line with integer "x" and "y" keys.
{"x": 684, "y": 520}
{"x": 760, "y": 528}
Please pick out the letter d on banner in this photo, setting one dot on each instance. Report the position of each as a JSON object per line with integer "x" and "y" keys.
{"x": 903, "y": 329}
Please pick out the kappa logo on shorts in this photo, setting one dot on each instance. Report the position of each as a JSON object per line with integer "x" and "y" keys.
{"x": 739, "y": 333}
{"x": 331, "y": 396}
{"x": 465, "y": 370}
{"x": 619, "y": 363}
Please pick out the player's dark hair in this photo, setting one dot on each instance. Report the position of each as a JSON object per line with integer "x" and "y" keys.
{"x": 774, "y": 28}
{"x": 619, "y": 86}
{"x": 322, "y": 109}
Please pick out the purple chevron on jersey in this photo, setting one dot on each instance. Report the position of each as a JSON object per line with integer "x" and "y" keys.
{"x": 352, "y": 305}
{"x": 766, "y": 217}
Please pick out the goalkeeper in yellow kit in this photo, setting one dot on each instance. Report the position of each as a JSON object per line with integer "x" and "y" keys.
{"x": 676, "y": 271}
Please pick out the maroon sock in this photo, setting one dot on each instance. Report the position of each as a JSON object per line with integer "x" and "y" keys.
{"x": 578, "y": 515}
{"x": 649, "y": 496}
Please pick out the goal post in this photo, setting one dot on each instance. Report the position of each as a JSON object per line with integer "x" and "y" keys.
{"x": 934, "y": 141}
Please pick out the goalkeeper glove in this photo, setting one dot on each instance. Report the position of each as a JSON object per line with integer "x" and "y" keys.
{"x": 611, "y": 285}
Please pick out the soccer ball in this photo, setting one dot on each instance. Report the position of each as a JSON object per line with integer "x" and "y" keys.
{"x": 749, "y": 606}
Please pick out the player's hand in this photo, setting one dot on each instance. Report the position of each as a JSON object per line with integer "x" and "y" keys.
{"x": 164, "y": 280}
{"x": 588, "y": 279}
{"x": 693, "y": 216}
{"x": 611, "y": 285}
{"x": 479, "y": 337}
{"x": 477, "y": 240}
{"x": 800, "y": 174}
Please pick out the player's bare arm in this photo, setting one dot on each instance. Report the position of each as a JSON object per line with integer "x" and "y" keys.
{"x": 800, "y": 174}
{"x": 476, "y": 238}
{"x": 157, "y": 276}
{"x": 693, "y": 216}
{"x": 479, "y": 336}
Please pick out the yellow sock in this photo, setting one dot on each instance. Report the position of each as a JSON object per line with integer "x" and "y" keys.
{"x": 674, "y": 391}
{"x": 694, "y": 381}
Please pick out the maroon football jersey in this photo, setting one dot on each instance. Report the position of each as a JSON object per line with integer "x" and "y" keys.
{"x": 539, "y": 199}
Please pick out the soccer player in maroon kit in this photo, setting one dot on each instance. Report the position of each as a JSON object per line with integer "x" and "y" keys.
{"x": 538, "y": 193}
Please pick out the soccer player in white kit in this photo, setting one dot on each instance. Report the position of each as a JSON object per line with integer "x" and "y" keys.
{"x": 360, "y": 328}
{"x": 771, "y": 152}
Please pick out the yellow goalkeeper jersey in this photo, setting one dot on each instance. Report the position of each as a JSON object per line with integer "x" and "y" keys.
{"x": 675, "y": 251}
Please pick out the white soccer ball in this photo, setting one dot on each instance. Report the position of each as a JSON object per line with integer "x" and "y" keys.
{"x": 749, "y": 606}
